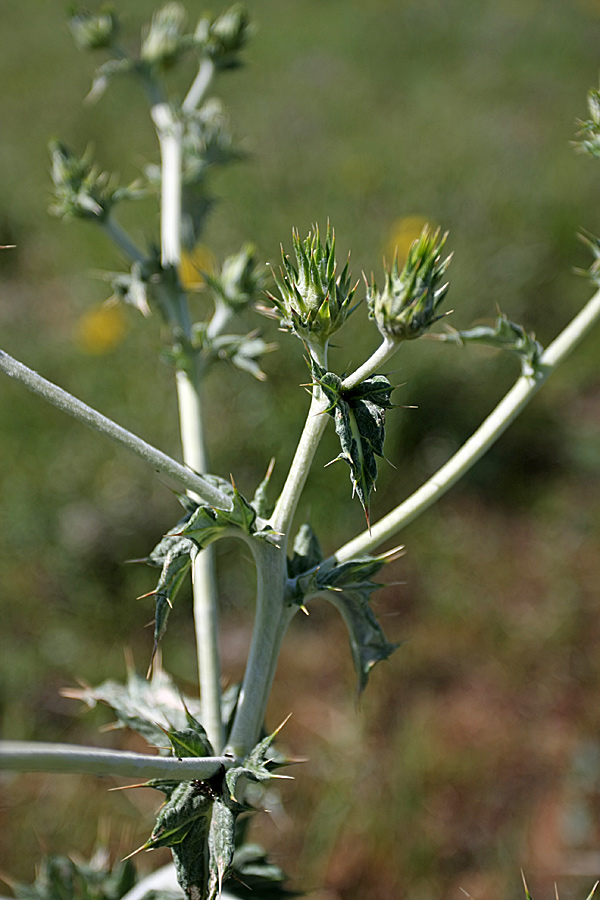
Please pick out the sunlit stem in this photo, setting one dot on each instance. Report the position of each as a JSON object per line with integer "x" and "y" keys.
{"x": 102, "y": 424}
{"x": 386, "y": 349}
{"x": 170, "y": 131}
{"x": 486, "y": 435}
{"x": 314, "y": 427}
{"x": 270, "y": 625}
{"x": 200, "y": 85}
{"x": 24, "y": 756}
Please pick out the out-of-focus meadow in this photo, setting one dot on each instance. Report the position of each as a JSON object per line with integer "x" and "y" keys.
{"x": 476, "y": 749}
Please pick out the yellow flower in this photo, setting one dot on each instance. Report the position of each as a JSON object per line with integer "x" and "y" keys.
{"x": 402, "y": 234}
{"x": 199, "y": 260}
{"x": 100, "y": 330}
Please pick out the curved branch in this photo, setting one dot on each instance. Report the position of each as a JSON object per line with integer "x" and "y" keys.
{"x": 479, "y": 443}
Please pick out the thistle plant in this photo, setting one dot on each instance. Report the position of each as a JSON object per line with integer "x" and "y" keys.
{"x": 213, "y": 754}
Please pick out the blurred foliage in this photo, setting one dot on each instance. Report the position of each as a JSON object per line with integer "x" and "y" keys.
{"x": 477, "y": 750}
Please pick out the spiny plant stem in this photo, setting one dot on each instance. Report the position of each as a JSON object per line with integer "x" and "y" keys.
{"x": 25, "y": 756}
{"x": 188, "y": 380}
{"x": 487, "y": 434}
{"x": 89, "y": 416}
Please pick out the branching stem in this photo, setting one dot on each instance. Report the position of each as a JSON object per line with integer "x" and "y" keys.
{"x": 386, "y": 349}
{"x": 486, "y": 435}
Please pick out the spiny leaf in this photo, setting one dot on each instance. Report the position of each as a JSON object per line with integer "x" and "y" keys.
{"x": 359, "y": 418}
{"x": 307, "y": 551}
{"x": 190, "y": 741}
{"x": 348, "y": 586}
{"x": 503, "y": 335}
{"x": 61, "y": 878}
{"x": 149, "y": 707}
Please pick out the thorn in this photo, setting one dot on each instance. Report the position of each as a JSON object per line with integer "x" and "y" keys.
{"x": 393, "y": 554}
{"x": 133, "y": 853}
{"x": 126, "y": 787}
{"x": 285, "y": 721}
{"x": 304, "y": 610}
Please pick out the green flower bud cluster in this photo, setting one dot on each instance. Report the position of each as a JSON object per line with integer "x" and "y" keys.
{"x": 222, "y": 38}
{"x": 219, "y": 39}
{"x": 93, "y": 31}
{"x": 406, "y": 308}
{"x": 80, "y": 189}
{"x": 241, "y": 280}
{"x": 314, "y": 302}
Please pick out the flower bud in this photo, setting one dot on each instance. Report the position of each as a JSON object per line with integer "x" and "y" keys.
{"x": 406, "y": 308}
{"x": 314, "y": 302}
{"x": 93, "y": 31}
{"x": 164, "y": 40}
{"x": 222, "y": 38}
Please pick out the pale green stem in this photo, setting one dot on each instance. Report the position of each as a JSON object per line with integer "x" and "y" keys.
{"x": 121, "y": 238}
{"x": 270, "y": 625}
{"x": 204, "y": 584}
{"x": 386, "y": 349}
{"x": 23, "y": 756}
{"x": 220, "y": 319}
{"x": 200, "y": 85}
{"x": 281, "y": 520}
{"x": 89, "y": 416}
{"x": 478, "y": 444}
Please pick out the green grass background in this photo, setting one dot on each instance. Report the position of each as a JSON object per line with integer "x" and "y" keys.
{"x": 475, "y": 750}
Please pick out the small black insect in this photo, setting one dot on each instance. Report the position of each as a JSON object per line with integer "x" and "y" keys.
{"x": 212, "y": 787}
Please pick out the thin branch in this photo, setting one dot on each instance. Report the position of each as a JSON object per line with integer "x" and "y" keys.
{"x": 386, "y": 349}
{"x": 25, "y": 756}
{"x": 315, "y": 424}
{"x": 200, "y": 85}
{"x": 89, "y": 416}
{"x": 479, "y": 442}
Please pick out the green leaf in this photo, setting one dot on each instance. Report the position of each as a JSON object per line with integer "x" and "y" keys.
{"x": 503, "y": 335}
{"x": 348, "y": 586}
{"x": 307, "y": 552}
{"x": 150, "y": 707}
{"x": 254, "y": 876}
{"x": 190, "y": 741}
{"x": 359, "y": 418}
{"x": 61, "y": 878}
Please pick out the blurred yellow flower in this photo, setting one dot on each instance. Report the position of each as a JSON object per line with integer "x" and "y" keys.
{"x": 100, "y": 330}
{"x": 199, "y": 260}
{"x": 402, "y": 233}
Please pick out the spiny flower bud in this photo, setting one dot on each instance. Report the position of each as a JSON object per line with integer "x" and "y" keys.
{"x": 314, "y": 302}
{"x": 80, "y": 189}
{"x": 222, "y": 38}
{"x": 406, "y": 308}
{"x": 165, "y": 40}
{"x": 93, "y": 31}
